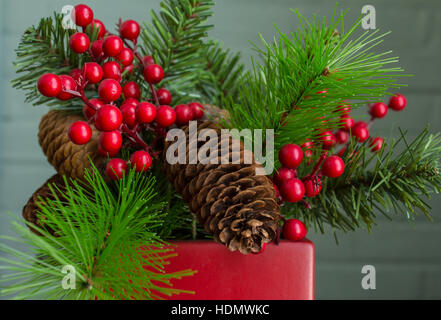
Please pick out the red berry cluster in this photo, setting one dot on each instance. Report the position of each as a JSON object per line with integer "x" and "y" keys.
{"x": 118, "y": 110}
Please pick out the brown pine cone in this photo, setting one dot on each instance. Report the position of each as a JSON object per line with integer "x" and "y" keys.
{"x": 238, "y": 207}
{"x": 31, "y": 208}
{"x": 66, "y": 157}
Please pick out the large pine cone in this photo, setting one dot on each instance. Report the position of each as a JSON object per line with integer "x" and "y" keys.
{"x": 236, "y": 206}
{"x": 31, "y": 208}
{"x": 66, "y": 157}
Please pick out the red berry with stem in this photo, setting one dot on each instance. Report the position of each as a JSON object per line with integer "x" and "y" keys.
{"x": 164, "y": 96}
{"x": 342, "y": 136}
{"x": 88, "y": 111}
{"x": 112, "y": 46}
{"x": 294, "y": 230}
{"x": 67, "y": 83}
{"x": 131, "y": 90}
{"x": 376, "y": 144}
{"x": 153, "y": 73}
{"x": 347, "y": 123}
{"x": 397, "y": 102}
{"x": 284, "y": 174}
{"x": 313, "y": 186}
{"x": 79, "y": 42}
{"x": 49, "y": 85}
{"x": 147, "y": 60}
{"x": 126, "y": 57}
{"x": 198, "y": 110}
{"x": 116, "y": 168}
{"x": 165, "y": 116}
{"x": 112, "y": 70}
{"x": 111, "y": 141}
{"x": 128, "y": 111}
{"x": 108, "y": 118}
{"x": 292, "y": 190}
{"x": 184, "y": 114}
{"x": 328, "y": 140}
{"x": 131, "y": 101}
{"x": 96, "y": 25}
{"x": 290, "y": 156}
{"x": 80, "y": 132}
{"x": 76, "y": 74}
{"x": 145, "y": 112}
{"x": 130, "y": 29}
{"x": 333, "y": 167}
{"x": 378, "y": 110}
{"x": 97, "y": 48}
{"x": 109, "y": 90}
{"x": 83, "y": 15}
{"x": 93, "y": 71}
{"x": 360, "y": 131}
{"x": 141, "y": 161}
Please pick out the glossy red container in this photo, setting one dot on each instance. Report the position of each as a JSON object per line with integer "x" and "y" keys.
{"x": 281, "y": 272}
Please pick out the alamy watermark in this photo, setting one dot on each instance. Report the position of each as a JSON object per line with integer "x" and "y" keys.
{"x": 368, "y": 282}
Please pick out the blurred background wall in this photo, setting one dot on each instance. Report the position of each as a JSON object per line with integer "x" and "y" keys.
{"x": 407, "y": 256}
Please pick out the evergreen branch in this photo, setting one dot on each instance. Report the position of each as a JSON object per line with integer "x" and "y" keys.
{"x": 383, "y": 183}
{"x": 106, "y": 233}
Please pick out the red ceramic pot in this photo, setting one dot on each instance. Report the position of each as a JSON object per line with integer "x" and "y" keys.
{"x": 281, "y": 272}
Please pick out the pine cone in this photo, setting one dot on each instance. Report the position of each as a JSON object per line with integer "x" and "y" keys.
{"x": 31, "y": 208}
{"x": 66, "y": 157}
{"x": 236, "y": 206}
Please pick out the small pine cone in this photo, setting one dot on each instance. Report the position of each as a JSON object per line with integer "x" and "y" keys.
{"x": 66, "y": 157}
{"x": 31, "y": 208}
{"x": 236, "y": 206}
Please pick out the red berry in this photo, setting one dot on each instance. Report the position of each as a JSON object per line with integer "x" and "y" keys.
{"x": 105, "y": 153}
{"x": 94, "y": 72}
{"x": 344, "y": 110}
{"x": 147, "y": 60}
{"x": 67, "y": 83}
{"x": 307, "y": 147}
{"x": 333, "y": 167}
{"x": 97, "y": 48}
{"x": 184, "y": 114}
{"x": 145, "y": 112}
{"x": 397, "y": 102}
{"x": 128, "y": 69}
{"x": 342, "y": 136}
{"x": 164, "y": 96}
{"x": 79, "y": 42}
{"x": 347, "y": 123}
{"x": 109, "y": 90}
{"x": 116, "y": 168}
{"x": 108, "y": 118}
{"x": 376, "y": 144}
{"x": 97, "y": 25}
{"x": 80, "y": 132}
{"x": 261, "y": 250}
{"x": 131, "y": 90}
{"x": 328, "y": 140}
{"x": 165, "y": 116}
{"x": 378, "y": 110}
{"x": 284, "y": 174}
{"x": 112, "y": 70}
{"x": 153, "y": 73}
{"x": 198, "y": 110}
{"x": 129, "y": 29}
{"x": 89, "y": 112}
{"x": 76, "y": 74}
{"x": 141, "y": 161}
{"x": 111, "y": 141}
{"x": 131, "y": 101}
{"x": 83, "y": 15}
{"x": 129, "y": 114}
{"x": 49, "y": 85}
{"x": 125, "y": 57}
{"x": 360, "y": 131}
{"x": 112, "y": 46}
{"x": 294, "y": 230}
{"x": 276, "y": 189}
{"x": 292, "y": 190}
{"x": 290, "y": 156}
{"x": 313, "y": 186}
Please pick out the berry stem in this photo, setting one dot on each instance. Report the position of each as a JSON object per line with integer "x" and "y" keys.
{"x": 319, "y": 163}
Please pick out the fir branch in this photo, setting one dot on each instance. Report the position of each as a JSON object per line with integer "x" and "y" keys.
{"x": 377, "y": 183}
{"x": 106, "y": 236}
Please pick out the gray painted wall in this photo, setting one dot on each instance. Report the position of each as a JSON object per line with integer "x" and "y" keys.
{"x": 406, "y": 256}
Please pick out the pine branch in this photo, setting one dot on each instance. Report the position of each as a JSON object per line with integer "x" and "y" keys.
{"x": 383, "y": 183}
{"x": 107, "y": 236}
